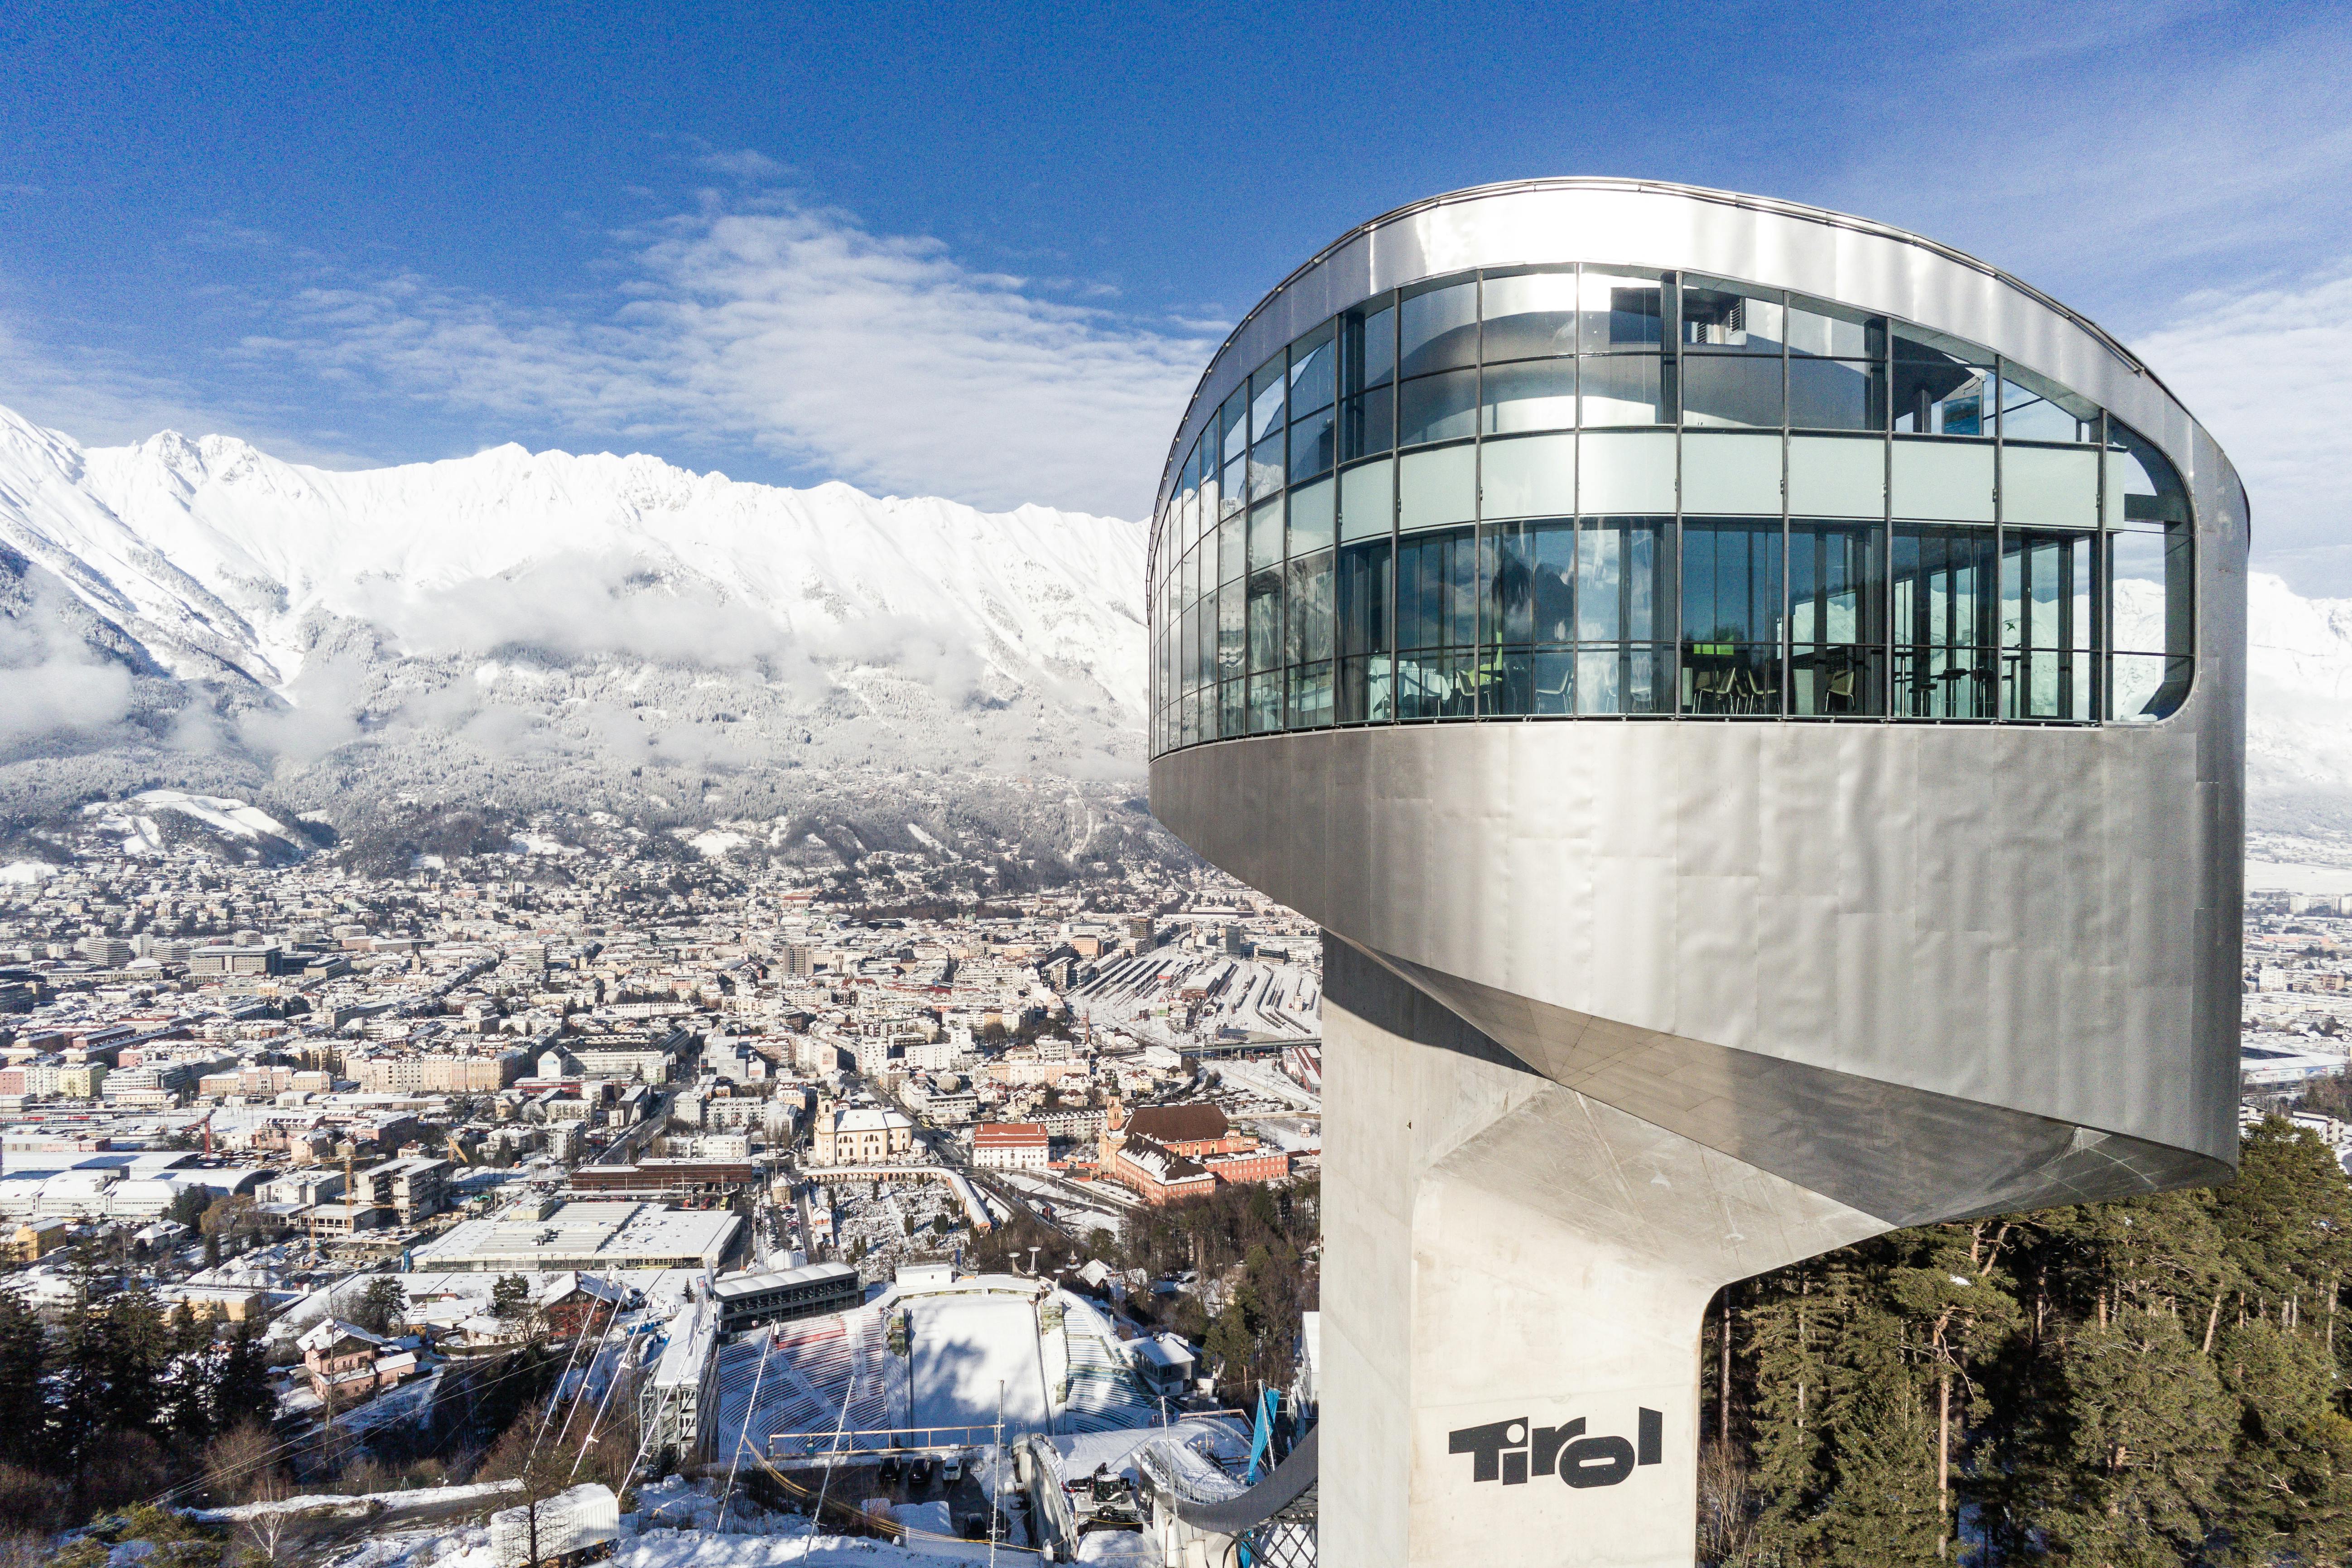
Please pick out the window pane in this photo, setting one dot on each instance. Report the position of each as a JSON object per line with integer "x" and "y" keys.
{"x": 2148, "y": 686}
{"x": 1309, "y": 610}
{"x": 1620, "y": 310}
{"x": 1624, "y": 573}
{"x": 1369, "y": 340}
{"x": 2151, "y": 593}
{"x": 1367, "y": 424}
{"x": 1311, "y": 367}
{"x": 1362, "y": 596}
{"x": 1438, "y": 408}
{"x": 1732, "y": 473}
{"x": 1837, "y": 583}
{"x": 1943, "y": 400}
{"x": 1626, "y": 471}
{"x": 1265, "y": 399}
{"x": 1434, "y": 488}
{"x": 1729, "y": 389}
{"x": 1624, "y": 389}
{"x": 1943, "y": 480}
{"x": 1437, "y": 602}
{"x": 1530, "y": 316}
{"x": 1944, "y": 652}
{"x": 1235, "y": 478}
{"x": 1233, "y": 631}
{"x": 1553, "y": 679}
{"x": 1506, "y": 569}
{"x": 1632, "y": 678}
{"x": 1265, "y": 535}
{"x": 1312, "y": 443}
{"x": 1368, "y": 500}
{"x": 1832, "y": 332}
{"x": 1541, "y": 396}
{"x": 1311, "y": 517}
{"x": 1232, "y": 558}
{"x": 1266, "y": 619}
{"x": 1724, "y": 677}
{"x": 1727, "y": 318}
{"x": 1367, "y": 691}
{"x": 2046, "y": 624}
{"x": 1836, "y": 680}
{"x": 1266, "y": 703}
{"x": 1232, "y": 710}
{"x": 1732, "y": 585}
{"x": 1832, "y": 475}
{"x": 1310, "y": 697}
{"x": 1438, "y": 329}
{"x": 1533, "y": 476}
{"x": 2142, "y": 484}
{"x": 2050, "y": 486}
{"x": 1266, "y": 466}
{"x": 1836, "y": 395}
{"x": 2035, "y": 409}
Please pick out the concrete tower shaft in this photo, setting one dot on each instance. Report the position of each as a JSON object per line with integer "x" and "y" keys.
{"x": 1755, "y": 700}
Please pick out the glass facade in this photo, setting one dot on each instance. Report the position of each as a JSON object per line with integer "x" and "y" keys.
{"x": 1605, "y": 491}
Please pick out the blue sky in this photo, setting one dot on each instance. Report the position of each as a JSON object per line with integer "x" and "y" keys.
{"x": 983, "y": 250}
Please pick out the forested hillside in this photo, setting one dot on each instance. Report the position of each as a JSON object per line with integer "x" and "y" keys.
{"x": 2152, "y": 1382}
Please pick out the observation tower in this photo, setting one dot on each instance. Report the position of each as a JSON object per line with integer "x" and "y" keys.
{"x": 1755, "y": 700}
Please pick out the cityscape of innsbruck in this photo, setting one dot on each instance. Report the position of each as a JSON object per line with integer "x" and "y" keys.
{"x": 1487, "y": 787}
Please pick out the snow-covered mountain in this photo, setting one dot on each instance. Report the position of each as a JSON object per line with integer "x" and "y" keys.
{"x": 553, "y": 628}
{"x": 532, "y": 629}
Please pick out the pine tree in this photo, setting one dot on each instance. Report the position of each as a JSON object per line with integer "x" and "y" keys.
{"x": 2286, "y": 1490}
{"x": 2150, "y": 1433}
{"x": 1881, "y": 1502}
{"x": 24, "y": 1405}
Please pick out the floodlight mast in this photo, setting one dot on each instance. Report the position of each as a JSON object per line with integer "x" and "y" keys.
{"x": 1688, "y": 912}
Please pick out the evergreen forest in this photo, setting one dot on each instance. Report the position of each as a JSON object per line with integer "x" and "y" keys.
{"x": 2142, "y": 1383}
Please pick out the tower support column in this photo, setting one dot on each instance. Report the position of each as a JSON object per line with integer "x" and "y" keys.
{"x": 1514, "y": 1280}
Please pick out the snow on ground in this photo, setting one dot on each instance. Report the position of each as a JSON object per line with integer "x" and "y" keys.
{"x": 964, "y": 1345}
{"x": 713, "y": 843}
{"x": 27, "y": 870}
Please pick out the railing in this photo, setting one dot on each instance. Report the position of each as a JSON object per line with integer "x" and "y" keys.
{"x": 785, "y": 1446}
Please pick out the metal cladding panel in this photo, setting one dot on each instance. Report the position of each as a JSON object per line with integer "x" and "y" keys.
{"x": 1829, "y": 254}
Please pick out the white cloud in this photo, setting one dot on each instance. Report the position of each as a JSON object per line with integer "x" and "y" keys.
{"x": 795, "y": 330}
{"x": 56, "y": 685}
{"x": 2266, "y": 372}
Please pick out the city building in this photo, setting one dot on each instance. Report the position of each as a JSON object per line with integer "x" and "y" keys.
{"x": 858, "y": 1134}
{"x": 586, "y": 1236}
{"x": 1755, "y": 700}
{"x": 748, "y": 1299}
{"x": 1009, "y": 1146}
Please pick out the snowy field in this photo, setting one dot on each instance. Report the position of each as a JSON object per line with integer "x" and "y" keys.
{"x": 964, "y": 1344}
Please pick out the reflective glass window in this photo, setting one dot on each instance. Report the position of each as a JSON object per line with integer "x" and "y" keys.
{"x": 1732, "y": 596}
{"x": 1832, "y": 332}
{"x": 1437, "y": 624}
{"x": 1310, "y": 696}
{"x": 1365, "y": 684}
{"x": 1434, "y": 488}
{"x": 1437, "y": 408}
{"x": 1232, "y": 555}
{"x": 2035, "y": 409}
{"x": 1724, "y": 317}
{"x": 1368, "y": 349}
{"x": 2046, "y": 624}
{"x": 1620, "y": 310}
{"x": 1232, "y": 630}
{"x": 1731, "y": 390}
{"x": 1266, "y": 619}
{"x": 1731, "y": 473}
{"x": 2049, "y": 487}
{"x": 1624, "y": 389}
{"x": 1528, "y": 573}
{"x": 1944, "y": 399}
{"x": 1312, "y": 365}
{"x": 1537, "y": 395}
{"x": 1945, "y": 611}
{"x": 1837, "y": 600}
{"x": 1950, "y": 479}
{"x": 1529, "y": 315}
{"x": 1232, "y": 708}
{"x": 1530, "y": 475}
{"x": 1265, "y": 535}
{"x": 1312, "y": 509}
{"x": 1309, "y": 609}
{"x": 2143, "y": 487}
{"x": 1313, "y": 443}
{"x": 1437, "y": 329}
{"x": 1837, "y": 395}
{"x": 1235, "y": 421}
{"x": 1368, "y": 501}
{"x": 1626, "y": 471}
{"x": 1368, "y": 424}
{"x": 1624, "y": 578}
{"x": 1265, "y": 458}
{"x": 2152, "y": 629}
